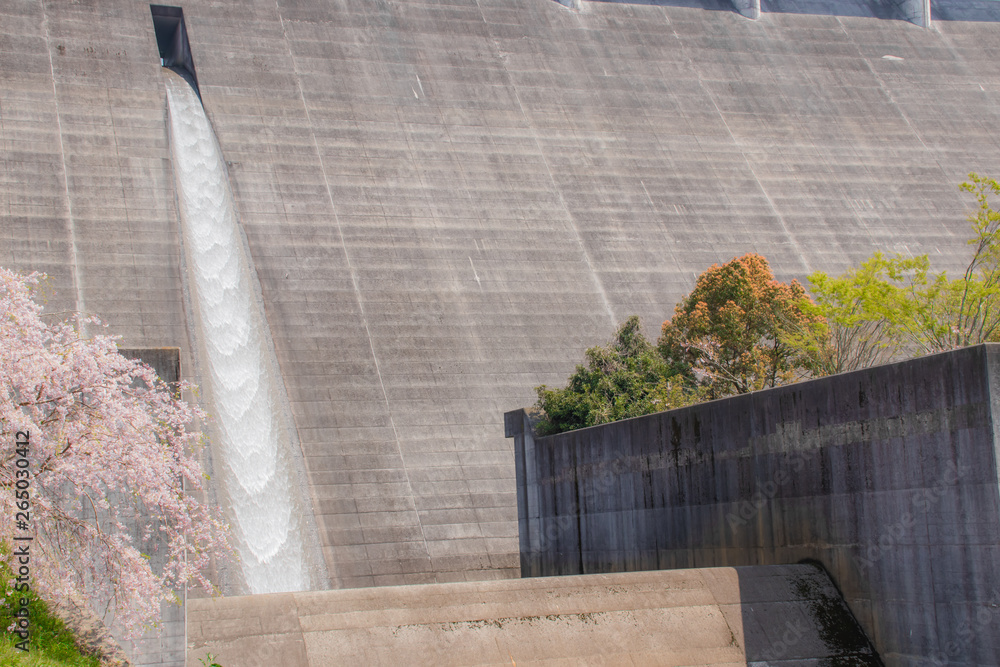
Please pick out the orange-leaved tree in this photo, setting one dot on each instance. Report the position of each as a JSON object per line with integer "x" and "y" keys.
{"x": 732, "y": 332}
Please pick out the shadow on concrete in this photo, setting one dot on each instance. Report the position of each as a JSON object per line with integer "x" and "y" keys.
{"x": 941, "y": 10}
{"x": 711, "y": 5}
{"x": 795, "y": 614}
{"x": 965, "y": 10}
{"x": 860, "y": 8}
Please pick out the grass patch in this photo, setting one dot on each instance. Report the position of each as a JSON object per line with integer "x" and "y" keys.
{"x": 51, "y": 644}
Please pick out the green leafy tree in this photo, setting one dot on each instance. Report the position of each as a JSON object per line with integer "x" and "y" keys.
{"x": 862, "y": 309}
{"x": 896, "y": 306}
{"x": 626, "y": 378}
{"x": 732, "y": 331}
{"x": 954, "y": 313}
{"x": 741, "y": 330}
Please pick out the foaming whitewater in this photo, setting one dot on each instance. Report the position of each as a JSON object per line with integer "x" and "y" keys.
{"x": 252, "y": 429}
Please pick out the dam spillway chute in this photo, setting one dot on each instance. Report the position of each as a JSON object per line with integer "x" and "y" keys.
{"x": 253, "y": 442}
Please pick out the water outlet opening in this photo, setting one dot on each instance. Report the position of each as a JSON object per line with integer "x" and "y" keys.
{"x": 172, "y": 41}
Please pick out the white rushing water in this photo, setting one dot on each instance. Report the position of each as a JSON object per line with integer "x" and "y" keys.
{"x": 252, "y": 427}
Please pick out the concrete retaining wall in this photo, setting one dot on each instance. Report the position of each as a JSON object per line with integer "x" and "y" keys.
{"x": 888, "y": 476}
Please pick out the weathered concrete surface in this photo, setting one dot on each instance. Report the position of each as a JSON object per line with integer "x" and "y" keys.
{"x": 888, "y": 476}
{"x": 448, "y": 201}
{"x": 723, "y": 616}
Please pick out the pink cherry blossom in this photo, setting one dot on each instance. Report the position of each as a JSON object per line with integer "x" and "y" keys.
{"x": 99, "y": 424}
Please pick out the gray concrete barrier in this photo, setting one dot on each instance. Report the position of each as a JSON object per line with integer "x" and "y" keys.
{"x": 887, "y": 476}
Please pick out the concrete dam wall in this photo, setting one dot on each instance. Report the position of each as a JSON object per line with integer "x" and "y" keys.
{"x": 446, "y": 202}
{"x": 888, "y": 476}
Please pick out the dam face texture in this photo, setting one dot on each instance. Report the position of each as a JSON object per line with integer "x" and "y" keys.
{"x": 446, "y": 202}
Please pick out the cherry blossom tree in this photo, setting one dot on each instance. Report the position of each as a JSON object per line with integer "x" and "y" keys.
{"x": 86, "y": 424}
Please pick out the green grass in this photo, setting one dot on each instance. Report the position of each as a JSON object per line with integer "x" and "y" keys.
{"x": 51, "y": 643}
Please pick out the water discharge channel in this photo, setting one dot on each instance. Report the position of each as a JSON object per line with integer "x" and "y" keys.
{"x": 253, "y": 433}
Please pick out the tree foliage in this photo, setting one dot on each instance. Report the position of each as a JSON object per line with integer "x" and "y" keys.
{"x": 728, "y": 336}
{"x": 740, "y": 330}
{"x": 98, "y": 425}
{"x": 732, "y": 331}
{"x": 966, "y": 311}
{"x": 896, "y": 306}
{"x": 626, "y": 378}
{"x": 862, "y": 310}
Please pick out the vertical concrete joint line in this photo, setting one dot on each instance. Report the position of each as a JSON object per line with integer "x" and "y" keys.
{"x": 354, "y": 277}
{"x": 74, "y": 260}
{"x": 548, "y": 170}
{"x": 888, "y": 93}
{"x": 799, "y": 252}
{"x": 993, "y": 392}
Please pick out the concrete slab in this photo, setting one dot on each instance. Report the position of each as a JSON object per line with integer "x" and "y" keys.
{"x": 682, "y": 617}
